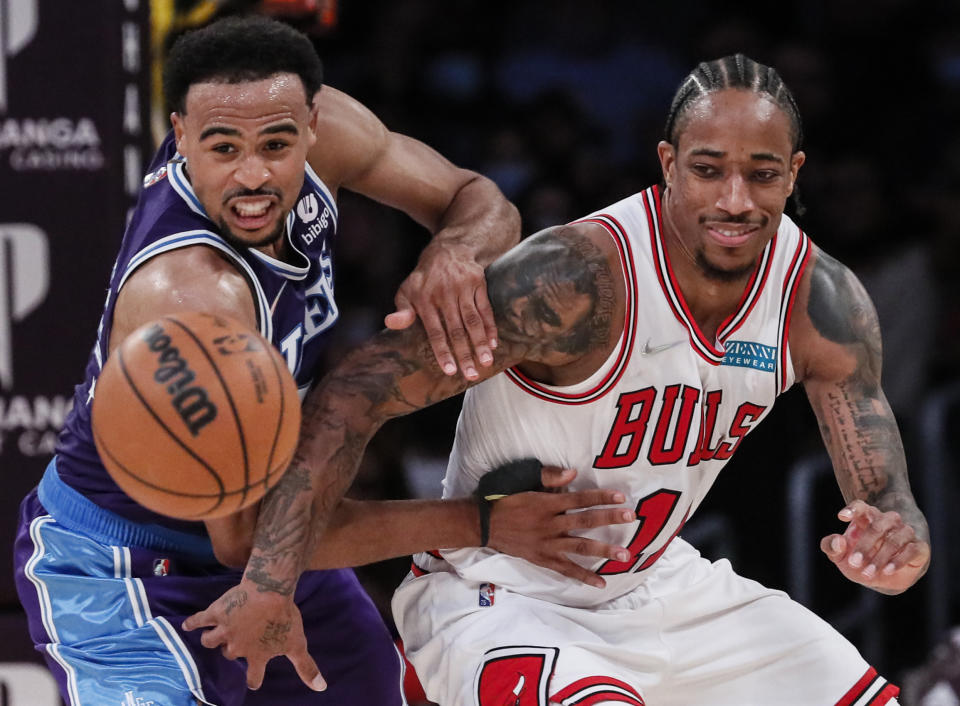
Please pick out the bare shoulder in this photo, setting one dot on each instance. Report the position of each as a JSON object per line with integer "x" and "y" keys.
{"x": 350, "y": 138}
{"x": 835, "y": 330}
{"x": 195, "y": 278}
{"x": 559, "y": 295}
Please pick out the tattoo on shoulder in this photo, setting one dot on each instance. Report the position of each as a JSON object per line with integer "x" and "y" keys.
{"x": 554, "y": 293}
{"x": 842, "y": 312}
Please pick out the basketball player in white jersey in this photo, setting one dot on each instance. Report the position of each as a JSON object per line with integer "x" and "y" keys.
{"x": 639, "y": 346}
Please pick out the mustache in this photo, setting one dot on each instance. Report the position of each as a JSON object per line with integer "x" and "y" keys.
{"x": 251, "y": 192}
{"x": 741, "y": 219}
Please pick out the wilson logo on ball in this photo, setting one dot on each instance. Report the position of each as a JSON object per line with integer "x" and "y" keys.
{"x": 191, "y": 401}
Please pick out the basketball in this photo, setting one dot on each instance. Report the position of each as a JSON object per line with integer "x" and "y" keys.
{"x": 195, "y": 415}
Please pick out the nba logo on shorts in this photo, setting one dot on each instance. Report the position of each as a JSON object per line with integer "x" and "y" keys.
{"x": 161, "y": 567}
{"x": 487, "y": 594}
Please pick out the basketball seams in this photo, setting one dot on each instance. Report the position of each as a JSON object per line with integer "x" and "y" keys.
{"x": 230, "y": 401}
{"x": 163, "y": 425}
{"x": 158, "y": 470}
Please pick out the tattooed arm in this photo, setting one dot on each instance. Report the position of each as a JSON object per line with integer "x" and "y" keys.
{"x": 837, "y": 353}
{"x": 559, "y": 311}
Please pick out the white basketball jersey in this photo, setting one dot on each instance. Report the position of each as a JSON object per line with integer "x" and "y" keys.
{"x": 657, "y": 421}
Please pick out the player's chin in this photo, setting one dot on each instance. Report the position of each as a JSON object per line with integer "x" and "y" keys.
{"x": 252, "y": 238}
{"x": 725, "y": 266}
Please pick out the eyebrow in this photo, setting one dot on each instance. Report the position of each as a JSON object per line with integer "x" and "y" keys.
{"x": 232, "y": 132}
{"x": 228, "y": 131}
{"x": 756, "y": 156}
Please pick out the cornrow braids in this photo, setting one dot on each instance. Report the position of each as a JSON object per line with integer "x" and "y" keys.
{"x": 735, "y": 71}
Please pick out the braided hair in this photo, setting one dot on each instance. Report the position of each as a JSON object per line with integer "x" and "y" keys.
{"x": 735, "y": 71}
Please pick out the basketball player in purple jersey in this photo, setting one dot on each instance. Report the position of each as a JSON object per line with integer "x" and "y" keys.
{"x": 237, "y": 216}
{"x": 639, "y": 346}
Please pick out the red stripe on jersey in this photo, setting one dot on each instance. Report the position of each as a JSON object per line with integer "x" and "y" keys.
{"x": 593, "y": 690}
{"x": 803, "y": 252}
{"x": 766, "y": 264}
{"x": 654, "y": 221}
{"x": 678, "y": 304}
{"x": 888, "y": 692}
{"x": 416, "y": 570}
{"x": 858, "y": 689}
{"x": 435, "y": 553}
{"x": 619, "y": 234}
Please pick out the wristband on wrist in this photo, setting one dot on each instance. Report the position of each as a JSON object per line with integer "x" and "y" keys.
{"x": 484, "y": 506}
{"x": 507, "y": 479}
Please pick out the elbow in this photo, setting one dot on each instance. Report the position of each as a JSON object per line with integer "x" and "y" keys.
{"x": 511, "y": 216}
{"x": 232, "y": 537}
{"x": 233, "y": 554}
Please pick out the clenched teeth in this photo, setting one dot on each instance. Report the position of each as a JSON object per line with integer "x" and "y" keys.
{"x": 252, "y": 209}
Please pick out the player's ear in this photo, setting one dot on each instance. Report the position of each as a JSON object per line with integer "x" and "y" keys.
{"x": 668, "y": 160}
{"x": 796, "y": 161}
{"x": 314, "y": 113}
{"x": 177, "y": 121}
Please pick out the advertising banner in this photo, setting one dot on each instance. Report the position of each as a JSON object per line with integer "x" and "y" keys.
{"x": 74, "y": 137}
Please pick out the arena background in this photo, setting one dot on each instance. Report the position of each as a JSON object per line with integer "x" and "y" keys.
{"x": 562, "y": 104}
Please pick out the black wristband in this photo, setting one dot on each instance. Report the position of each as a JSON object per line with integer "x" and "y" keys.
{"x": 484, "y": 506}
{"x": 508, "y": 478}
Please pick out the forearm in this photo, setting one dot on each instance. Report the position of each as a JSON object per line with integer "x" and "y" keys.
{"x": 362, "y": 532}
{"x": 340, "y": 416}
{"x": 863, "y": 440}
{"x": 480, "y": 220}
{"x": 396, "y": 373}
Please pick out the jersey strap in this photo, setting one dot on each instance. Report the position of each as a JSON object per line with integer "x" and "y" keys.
{"x": 791, "y": 284}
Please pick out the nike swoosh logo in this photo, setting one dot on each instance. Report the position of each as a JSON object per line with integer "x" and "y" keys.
{"x": 651, "y": 350}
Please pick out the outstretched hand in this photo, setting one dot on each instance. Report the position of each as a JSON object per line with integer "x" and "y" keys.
{"x": 448, "y": 291}
{"x": 257, "y": 626}
{"x": 537, "y": 526}
{"x": 878, "y": 549}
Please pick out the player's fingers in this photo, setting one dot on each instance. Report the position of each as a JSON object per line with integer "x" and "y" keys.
{"x": 307, "y": 669}
{"x": 583, "y": 546}
{"x": 255, "y": 669}
{"x": 877, "y": 533}
{"x": 834, "y": 546}
{"x": 203, "y": 619}
{"x": 230, "y": 651}
{"x": 438, "y": 339}
{"x": 575, "y": 571}
{"x": 554, "y": 477}
{"x": 482, "y": 301}
{"x": 459, "y": 341}
{"x": 400, "y": 319}
{"x": 915, "y": 555}
{"x": 858, "y": 512}
{"x": 890, "y": 550}
{"x": 865, "y": 539}
{"x": 588, "y": 498}
{"x": 597, "y": 518}
{"x": 476, "y": 331}
{"x": 405, "y": 314}
{"x": 213, "y": 638}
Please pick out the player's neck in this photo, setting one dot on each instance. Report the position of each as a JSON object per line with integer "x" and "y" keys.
{"x": 711, "y": 299}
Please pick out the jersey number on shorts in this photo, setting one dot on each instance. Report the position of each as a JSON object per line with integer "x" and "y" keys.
{"x": 653, "y": 513}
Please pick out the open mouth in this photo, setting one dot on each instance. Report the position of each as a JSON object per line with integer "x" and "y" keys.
{"x": 731, "y": 235}
{"x": 252, "y": 213}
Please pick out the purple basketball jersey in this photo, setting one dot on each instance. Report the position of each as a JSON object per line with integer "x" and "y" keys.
{"x": 294, "y": 302}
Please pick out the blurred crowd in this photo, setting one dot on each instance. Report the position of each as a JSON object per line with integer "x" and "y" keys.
{"x": 562, "y": 103}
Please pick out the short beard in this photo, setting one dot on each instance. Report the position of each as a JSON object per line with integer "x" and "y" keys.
{"x": 239, "y": 243}
{"x": 718, "y": 274}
